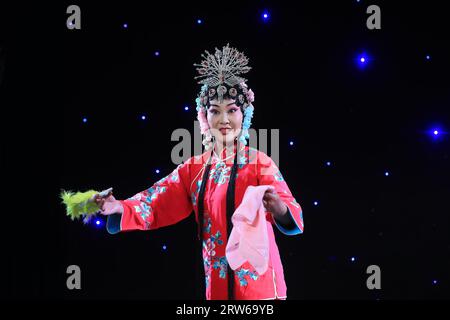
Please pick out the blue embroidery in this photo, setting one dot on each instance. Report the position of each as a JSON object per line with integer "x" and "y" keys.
{"x": 241, "y": 273}
{"x": 154, "y": 193}
{"x": 278, "y": 176}
{"x": 195, "y": 193}
{"x": 221, "y": 264}
{"x": 221, "y": 173}
{"x": 161, "y": 181}
{"x": 243, "y": 158}
{"x": 208, "y": 229}
{"x": 144, "y": 208}
{"x": 148, "y": 196}
{"x": 209, "y": 254}
{"x": 146, "y": 211}
{"x": 175, "y": 176}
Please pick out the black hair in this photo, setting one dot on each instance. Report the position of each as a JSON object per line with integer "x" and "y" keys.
{"x": 230, "y": 210}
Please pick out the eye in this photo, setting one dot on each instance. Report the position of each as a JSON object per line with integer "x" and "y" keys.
{"x": 233, "y": 110}
{"x": 213, "y": 111}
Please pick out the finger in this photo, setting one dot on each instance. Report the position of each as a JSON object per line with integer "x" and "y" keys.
{"x": 93, "y": 198}
{"x": 271, "y": 197}
{"x": 268, "y": 194}
{"x": 271, "y": 190}
{"x": 105, "y": 193}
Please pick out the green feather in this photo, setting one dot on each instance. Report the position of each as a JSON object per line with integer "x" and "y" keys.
{"x": 79, "y": 204}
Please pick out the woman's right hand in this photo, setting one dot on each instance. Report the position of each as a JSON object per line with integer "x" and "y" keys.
{"x": 107, "y": 203}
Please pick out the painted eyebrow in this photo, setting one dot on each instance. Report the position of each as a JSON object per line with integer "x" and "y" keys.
{"x": 215, "y": 105}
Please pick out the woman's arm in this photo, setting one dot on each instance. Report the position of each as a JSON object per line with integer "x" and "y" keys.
{"x": 286, "y": 212}
{"x": 280, "y": 211}
{"x": 165, "y": 203}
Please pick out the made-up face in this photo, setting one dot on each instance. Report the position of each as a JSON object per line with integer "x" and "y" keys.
{"x": 225, "y": 120}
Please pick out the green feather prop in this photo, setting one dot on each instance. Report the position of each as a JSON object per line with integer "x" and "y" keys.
{"x": 80, "y": 204}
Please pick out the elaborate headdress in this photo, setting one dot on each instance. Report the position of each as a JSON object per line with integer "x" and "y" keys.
{"x": 221, "y": 80}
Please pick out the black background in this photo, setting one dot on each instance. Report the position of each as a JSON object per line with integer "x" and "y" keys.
{"x": 306, "y": 82}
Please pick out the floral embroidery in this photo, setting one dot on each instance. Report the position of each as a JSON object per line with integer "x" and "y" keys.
{"x": 153, "y": 193}
{"x": 195, "y": 193}
{"x": 161, "y": 181}
{"x": 174, "y": 176}
{"x": 146, "y": 211}
{"x": 210, "y": 241}
{"x": 221, "y": 173}
{"x": 144, "y": 208}
{"x": 245, "y": 272}
{"x": 221, "y": 264}
{"x": 278, "y": 176}
{"x": 243, "y": 159}
{"x": 208, "y": 227}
